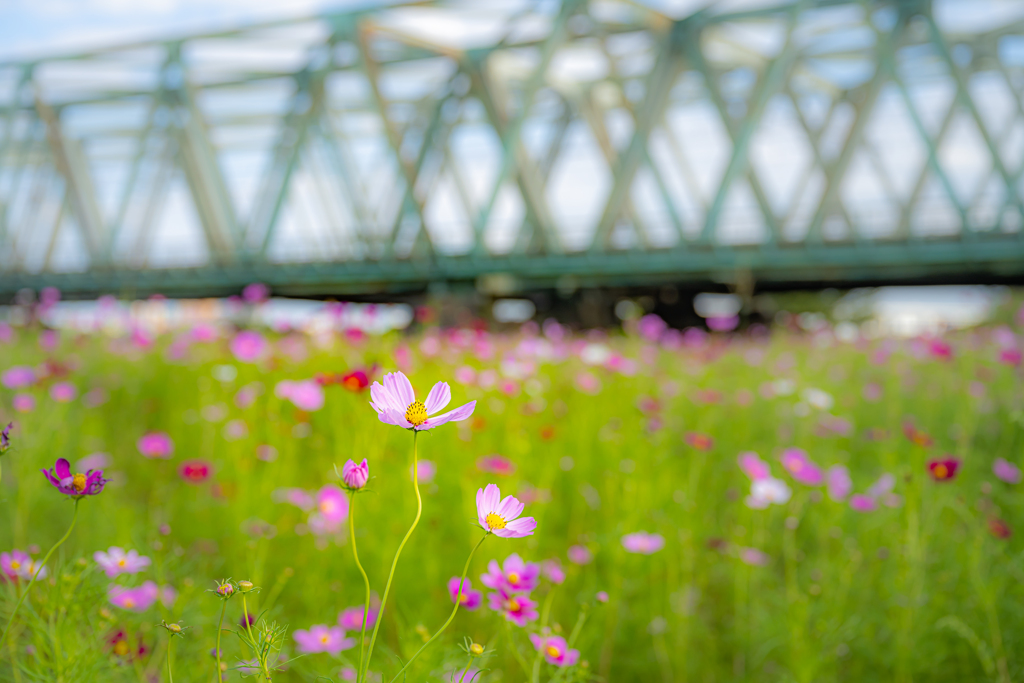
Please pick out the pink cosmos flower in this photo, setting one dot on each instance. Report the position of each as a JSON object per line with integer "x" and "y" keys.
{"x": 754, "y": 467}
{"x": 1006, "y": 471}
{"x": 426, "y": 470}
{"x": 470, "y": 599}
{"x": 702, "y": 442}
{"x": 651, "y": 327}
{"x": 332, "y": 504}
{"x": 15, "y": 563}
{"x": 862, "y": 503}
{"x": 396, "y": 404}
{"x": 306, "y": 395}
{"x": 355, "y": 476}
{"x": 496, "y": 464}
{"x": 602, "y": 596}
{"x": 519, "y": 609}
{"x": 300, "y": 498}
{"x": 555, "y": 650}
{"x": 501, "y": 516}
{"x": 801, "y": 467}
{"x": 643, "y": 543}
{"x": 249, "y": 346}
{"x": 24, "y": 403}
{"x": 75, "y": 485}
{"x": 753, "y": 557}
{"x": 155, "y": 445}
{"x": 116, "y": 561}
{"x": 350, "y": 619}
{"x": 552, "y": 570}
{"x": 63, "y": 392}
{"x": 837, "y": 479}
{"x": 255, "y": 293}
{"x": 137, "y": 599}
{"x": 322, "y": 638}
{"x": 1010, "y": 357}
{"x": 94, "y": 461}
{"x": 514, "y": 576}
{"x": 884, "y": 485}
{"x": 18, "y": 377}
{"x": 579, "y": 554}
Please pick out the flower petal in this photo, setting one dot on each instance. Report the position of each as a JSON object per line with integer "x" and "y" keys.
{"x": 438, "y": 398}
{"x": 510, "y": 508}
{"x": 518, "y": 528}
{"x": 400, "y": 388}
{"x": 457, "y": 415}
{"x": 62, "y": 469}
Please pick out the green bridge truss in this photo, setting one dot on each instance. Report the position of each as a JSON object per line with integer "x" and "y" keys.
{"x": 525, "y": 143}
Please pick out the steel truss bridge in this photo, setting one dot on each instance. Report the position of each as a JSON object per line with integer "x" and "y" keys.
{"x": 531, "y": 142}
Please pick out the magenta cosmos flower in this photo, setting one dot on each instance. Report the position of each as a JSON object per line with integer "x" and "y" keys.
{"x": 514, "y": 576}
{"x": 501, "y": 517}
{"x": 579, "y": 554}
{"x": 643, "y": 542}
{"x": 469, "y": 599}
{"x": 396, "y": 404}
{"x": 801, "y": 467}
{"x": 18, "y": 377}
{"x": 116, "y": 561}
{"x": 62, "y": 392}
{"x": 837, "y": 479}
{"x": 155, "y": 445}
{"x": 355, "y": 476}
{"x": 753, "y": 466}
{"x": 519, "y": 609}
{"x": 137, "y": 599}
{"x": 249, "y": 346}
{"x": 1006, "y": 471}
{"x": 76, "y": 485}
{"x": 350, "y": 618}
{"x": 322, "y": 638}
{"x": 555, "y": 650}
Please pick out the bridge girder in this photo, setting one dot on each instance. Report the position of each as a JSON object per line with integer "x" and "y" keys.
{"x": 387, "y": 148}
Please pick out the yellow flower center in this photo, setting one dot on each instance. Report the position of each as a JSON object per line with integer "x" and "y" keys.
{"x": 463, "y": 598}
{"x": 78, "y": 482}
{"x": 323, "y": 639}
{"x": 15, "y": 565}
{"x": 495, "y": 521}
{"x": 351, "y": 383}
{"x": 512, "y": 577}
{"x": 553, "y": 651}
{"x": 416, "y": 413}
{"x": 512, "y": 605}
{"x": 941, "y": 471}
{"x": 129, "y": 603}
{"x": 121, "y": 648}
{"x": 122, "y": 562}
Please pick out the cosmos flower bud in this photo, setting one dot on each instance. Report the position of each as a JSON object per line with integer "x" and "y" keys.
{"x": 174, "y": 628}
{"x": 225, "y": 590}
{"x": 245, "y": 586}
{"x": 355, "y": 476}
{"x": 476, "y": 649}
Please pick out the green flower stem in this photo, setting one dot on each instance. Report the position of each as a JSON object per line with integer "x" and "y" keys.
{"x": 466, "y": 670}
{"x": 42, "y": 564}
{"x": 458, "y": 601}
{"x": 366, "y": 582}
{"x": 515, "y": 649}
{"x": 261, "y": 657}
{"x": 170, "y": 678}
{"x": 220, "y": 626}
{"x": 394, "y": 563}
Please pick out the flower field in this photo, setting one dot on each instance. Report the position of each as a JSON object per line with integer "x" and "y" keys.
{"x": 639, "y": 505}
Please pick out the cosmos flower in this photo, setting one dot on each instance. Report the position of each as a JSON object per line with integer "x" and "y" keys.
{"x": 137, "y": 599}
{"x": 643, "y": 543}
{"x": 863, "y": 503}
{"x": 396, "y": 404}
{"x": 470, "y": 599}
{"x": 518, "y": 609}
{"x": 555, "y": 650}
{"x": 552, "y": 570}
{"x": 300, "y": 498}
{"x": 350, "y": 618}
{"x": 426, "y": 469}
{"x": 514, "y": 576}
{"x": 14, "y": 563}
{"x": 305, "y": 395}
{"x": 249, "y": 346}
{"x": 496, "y": 464}
{"x": 501, "y": 516}
{"x": 116, "y": 561}
{"x": 754, "y": 557}
{"x": 702, "y": 442}
{"x": 764, "y": 492}
{"x": 999, "y": 528}
{"x": 195, "y": 471}
{"x": 322, "y": 638}
{"x": 944, "y": 469}
{"x": 917, "y": 436}
{"x": 18, "y": 377}
{"x": 795, "y": 460}
{"x": 155, "y": 445}
{"x": 24, "y": 403}
{"x": 754, "y": 467}
{"x": 77, "y": 485}
{"x": 355, "y": 476}
{"x": 837, "y": 479}
{"x": 63, "y": 392}
{"x": 579, "y": 554}
{"x": 332, "y": 503}
{"x": 356, "y": 380}
{"x": 1002, "y": 468}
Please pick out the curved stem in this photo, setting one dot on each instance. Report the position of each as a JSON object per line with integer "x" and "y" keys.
{"x": 366, "y": 582}
{"x": 38, "y": 571}
{"x": 466, "y": 670}
{"x": 220, "y": 627}
{"x": 394, "y": 563}
{"x": 458, "y": 601}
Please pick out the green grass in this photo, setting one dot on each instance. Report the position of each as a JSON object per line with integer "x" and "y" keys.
{"x": 917, "y": 592}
